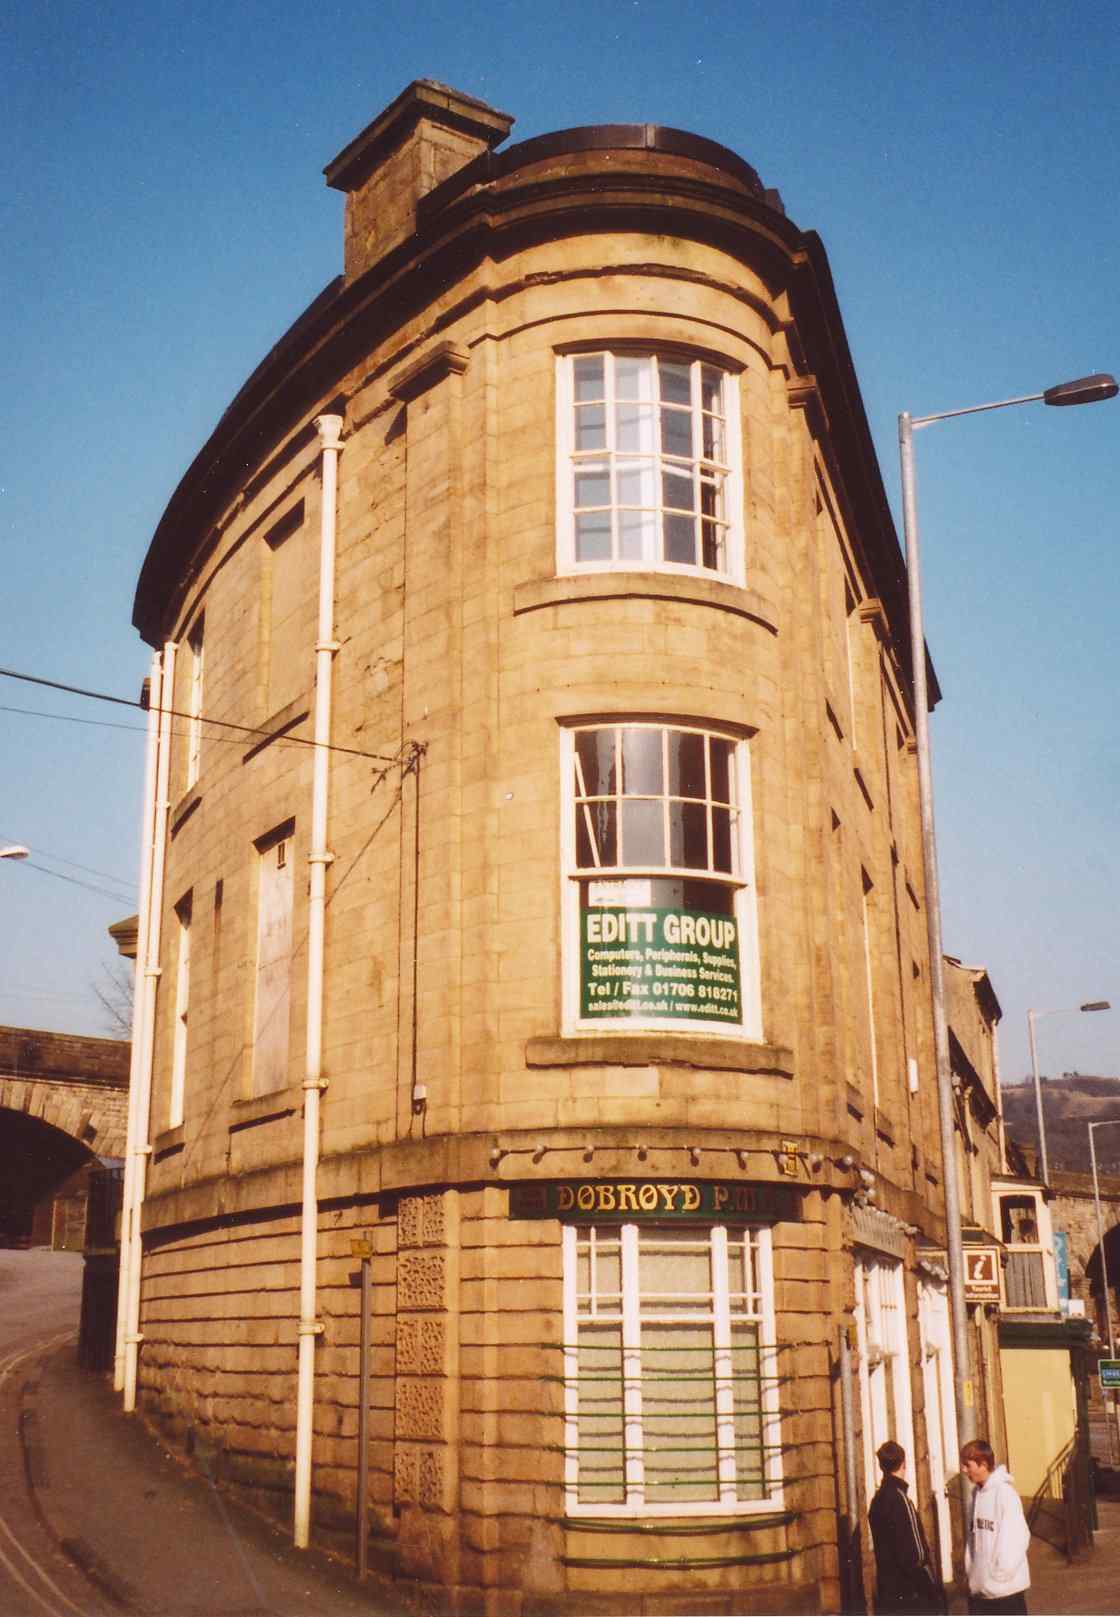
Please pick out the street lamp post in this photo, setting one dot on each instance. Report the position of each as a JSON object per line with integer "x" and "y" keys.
{"x": 1103, "y": 1123}
{"x": 1086, "y": 390}
{"x": 1032, "y": 1017}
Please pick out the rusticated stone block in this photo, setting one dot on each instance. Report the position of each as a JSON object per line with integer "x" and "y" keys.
{"x": 421, "y": 1280}
{"x": 419, "y": 1409}
{"x": 406, "y": 1476}
{"x": 420, "y": 1347}
{"x": 430, "y": 1471}
{"x": 421, "y": 1221}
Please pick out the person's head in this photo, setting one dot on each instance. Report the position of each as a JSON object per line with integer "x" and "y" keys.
{"x": 891, "y": 1456}
{"x": 978, "y": 1461}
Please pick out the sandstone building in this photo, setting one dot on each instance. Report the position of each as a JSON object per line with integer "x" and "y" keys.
{"x": 582, "y": 980}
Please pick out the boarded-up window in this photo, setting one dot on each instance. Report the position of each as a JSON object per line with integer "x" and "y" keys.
{"x": 272, "y": 1008}
{"x": 182, "y": 1012}
{"x": 291, "y": 610}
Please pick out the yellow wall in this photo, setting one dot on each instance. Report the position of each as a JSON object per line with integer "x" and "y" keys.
{"x": 1041, "y": 1412}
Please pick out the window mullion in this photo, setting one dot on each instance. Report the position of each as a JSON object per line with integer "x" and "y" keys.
{"x": 723, "y": 1367}
{"x": 632, "y": 1367}
{"x": 571, "y": 1363}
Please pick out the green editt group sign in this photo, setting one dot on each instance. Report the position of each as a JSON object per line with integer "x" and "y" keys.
{"x": 652, "y": 962}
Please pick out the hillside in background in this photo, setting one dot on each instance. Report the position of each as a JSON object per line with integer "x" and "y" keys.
{"x": 1070, "y": 1103}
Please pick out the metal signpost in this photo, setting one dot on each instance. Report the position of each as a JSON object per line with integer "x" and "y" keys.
{"x": 363, "y": 1248}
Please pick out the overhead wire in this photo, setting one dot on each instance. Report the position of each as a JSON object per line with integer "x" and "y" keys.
{"x": 176, "y": 713}
{"x": 45, "y": 853}
{"x": 44, "y": 870}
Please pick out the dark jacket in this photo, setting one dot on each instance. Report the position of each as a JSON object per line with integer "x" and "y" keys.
{"x": 905, "y": 1581}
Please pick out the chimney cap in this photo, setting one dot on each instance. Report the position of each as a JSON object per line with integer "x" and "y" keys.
{"x": 424, "y": 98}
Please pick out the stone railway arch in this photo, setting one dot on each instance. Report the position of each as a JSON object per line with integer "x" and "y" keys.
{"x": 1073, "y": 1210}
{"x": 63, "y": 1104}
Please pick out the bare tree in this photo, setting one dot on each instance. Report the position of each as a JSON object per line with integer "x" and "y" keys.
{"x": 115, "y": 991}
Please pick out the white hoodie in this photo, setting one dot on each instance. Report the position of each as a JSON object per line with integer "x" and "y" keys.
{"x": 995, "y": 1557}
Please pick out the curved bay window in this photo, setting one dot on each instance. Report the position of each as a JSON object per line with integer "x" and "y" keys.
{"x": 671, "y": 1391}
{"x": 657, "y": 870}
{"x": 649, "y": 452}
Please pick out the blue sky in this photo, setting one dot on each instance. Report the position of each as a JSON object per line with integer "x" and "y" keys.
{"x": 165, "y": 219}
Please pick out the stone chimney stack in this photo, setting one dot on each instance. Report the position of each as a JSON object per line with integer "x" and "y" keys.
{"x": 427, "y": 134}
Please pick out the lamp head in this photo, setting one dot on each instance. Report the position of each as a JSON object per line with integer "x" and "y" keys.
{"x": 1085, "y": 390}
{"x": 1097, "y": 1005}
{"x": 15, "y": 850}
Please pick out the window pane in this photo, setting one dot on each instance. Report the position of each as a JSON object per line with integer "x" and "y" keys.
{"x": 643, "y": 832}
{"x": 676, "y": 385}
{"x": 677, "y": 1266}
{"x": 713, "y": 439}
{"x": 740, "y": 1273}
{"x": 608, "y": 1274}
{"x": 688, "y": 835}
{"x": 680, "y": 538}
{"x": 591, "y": 427}
{"x": 637, "y": 531}
{"x": 636, "y": 483}
{"x": 634, "y": 428}
{"x": 711, "y": 389}
{"x": 633, "y": 377}
{"x": 721, "y": 769}
{"x": 641, "y": 762}
{"x": 676, "y": 432}
{"x": 709, "y": 897}
{"x": 593, "y": 485}
{"x": 588, "y": 377}
{"x": 746, "y": 1369}
{"x": 711, "y": 497}
{"x": 596, "y": 835}
{"x": 676, "y": 488}
{"x": 602, "y": 1462}
{"x": 723, "y": 845}
{"x": 595, "y": 750}
{"x": 678, "y": 1414}
{"x": 593, "y": 536}
{"x": 711, "y": 546}
{"x": 686, "y": 764}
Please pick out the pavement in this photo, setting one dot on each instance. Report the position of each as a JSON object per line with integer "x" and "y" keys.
{"x": 1090, "y": 1584}
{"x": 152, "y": 1537}
{"x": 155, "y": 1539}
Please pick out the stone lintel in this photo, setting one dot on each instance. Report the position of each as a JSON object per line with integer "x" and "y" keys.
{"x": 660, "y": 1050}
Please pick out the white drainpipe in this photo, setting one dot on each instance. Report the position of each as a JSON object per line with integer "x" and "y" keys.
{"x": 142, "y": 918}
{"x": 330, "y": 429}
{"x": 145, "y": 1027}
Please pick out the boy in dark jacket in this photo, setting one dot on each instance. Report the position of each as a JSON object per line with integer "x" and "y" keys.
{"x": 905, "y": 1580}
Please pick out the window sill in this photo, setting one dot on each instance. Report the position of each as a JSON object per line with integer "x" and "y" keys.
{"x": 537, "y": 593}
{"x": 247, "y": 1113}
{"x": 168, "y": 1141}
{"x": 278, "y": 725}
{"x": 184, "y": 808}
{"x": 652, "y": 1049}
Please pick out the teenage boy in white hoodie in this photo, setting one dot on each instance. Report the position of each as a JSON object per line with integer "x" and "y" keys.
{"x": 995, "y": 1556}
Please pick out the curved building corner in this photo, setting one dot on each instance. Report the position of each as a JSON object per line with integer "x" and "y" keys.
{"x": 537, "y": 897}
